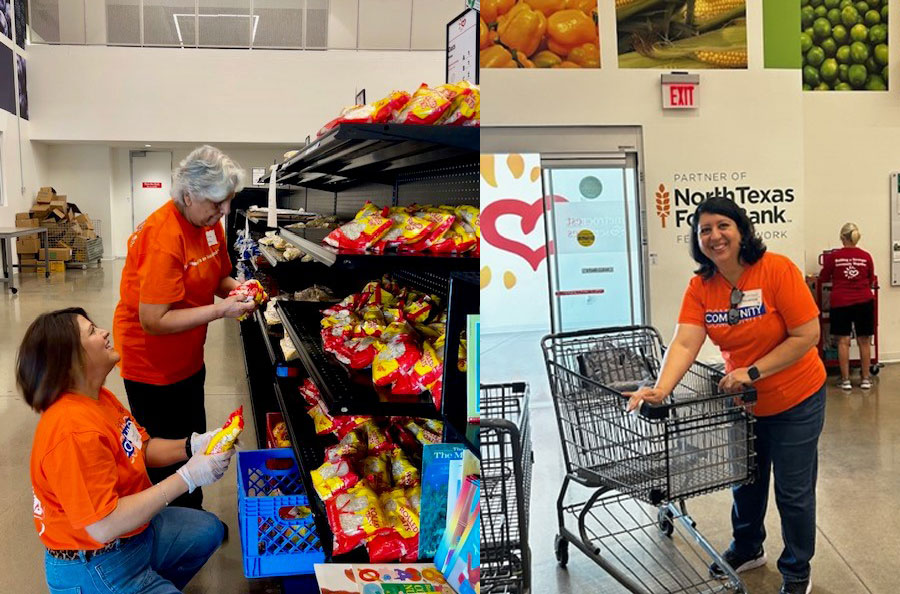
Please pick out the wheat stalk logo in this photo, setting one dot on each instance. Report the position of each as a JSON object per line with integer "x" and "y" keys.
{"x": 662, "y": 204}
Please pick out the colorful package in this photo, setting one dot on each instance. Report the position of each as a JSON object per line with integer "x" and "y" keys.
{"x": 332, "y": 477}
{"x": 394, "y": 360}
{"x": 406, "y": 229}
{"x": 376, "y": 471}
{"x": 355, "y": 516}
{"x": 250, "y": 290}
{"x": 352, "y": 445}
{"x": 403, "y": 474}
{"x": 386, "y": 109}
{"x": 427, "y": 105}
{"x": 359, "y": 234}
{"x": 401, "y": 543}
{"x": 224, "y": 438}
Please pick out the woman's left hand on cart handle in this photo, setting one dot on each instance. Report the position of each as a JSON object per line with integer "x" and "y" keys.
{"x": 736, "y": 381}
{"x": 646, "y": 394}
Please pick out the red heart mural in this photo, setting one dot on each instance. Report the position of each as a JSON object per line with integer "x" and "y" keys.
{"x": 529, "y": 213}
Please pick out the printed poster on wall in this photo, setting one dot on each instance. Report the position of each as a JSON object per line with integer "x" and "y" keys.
{"x": 20, "y": 6}
{"x": 7, "y": 21}
{"x": 844, "y": 45}
{"x": 7, "y": 85}
{"x": 23, "y": 87}
{"x": 679, "y": 34}
{"x": 539, "y": 34}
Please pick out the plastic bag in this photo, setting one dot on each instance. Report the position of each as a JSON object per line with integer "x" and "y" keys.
{"x": 359, "y": 234}
{"x": 332, "y": 477}
{"x": 355, "y": 516}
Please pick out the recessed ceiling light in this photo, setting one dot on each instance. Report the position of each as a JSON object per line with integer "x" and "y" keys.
{"x": 146, "y": 146}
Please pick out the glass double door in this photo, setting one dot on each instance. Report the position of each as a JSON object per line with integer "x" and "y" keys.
{"x": 595, "y": 241}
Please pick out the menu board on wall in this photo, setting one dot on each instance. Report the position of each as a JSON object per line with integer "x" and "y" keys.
{"x": 462, "y": 48}
{"x": 529, "y": 34}
{"x": 694, "y": 36}
{"x": 7, "y": 85}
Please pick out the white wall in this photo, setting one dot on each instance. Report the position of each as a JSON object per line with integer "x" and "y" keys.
{"x": 111, "y": 94}
{"x": 34, "y": 159}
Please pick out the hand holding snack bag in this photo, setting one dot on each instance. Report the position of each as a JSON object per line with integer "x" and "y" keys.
{"x": 250, "y": 290}
{"x": 224, "y": 439}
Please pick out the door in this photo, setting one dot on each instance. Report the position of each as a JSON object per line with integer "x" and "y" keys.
{"x": 151, "y": 183}
{"x": 595, "y": 237}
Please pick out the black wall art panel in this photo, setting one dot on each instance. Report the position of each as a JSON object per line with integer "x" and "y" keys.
{"x": 6, "y": 18}
{"x": 7, "y": 83}
{"x": 21, "y": 11}
{"x": 23, "y": 87}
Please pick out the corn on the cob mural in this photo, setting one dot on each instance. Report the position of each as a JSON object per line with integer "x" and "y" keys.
{"x": 688, "y": 34}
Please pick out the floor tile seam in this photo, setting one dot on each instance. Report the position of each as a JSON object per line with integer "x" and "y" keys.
{"x": 844, "y": 559}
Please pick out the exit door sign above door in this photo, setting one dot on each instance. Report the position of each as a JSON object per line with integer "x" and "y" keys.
{"x": 680, "y": 90}
{"x": 151, "y": 185}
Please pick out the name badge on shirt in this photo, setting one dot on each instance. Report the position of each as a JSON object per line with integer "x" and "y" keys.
{"x": 752, "y": 298}
{"x": 211, "y": 238}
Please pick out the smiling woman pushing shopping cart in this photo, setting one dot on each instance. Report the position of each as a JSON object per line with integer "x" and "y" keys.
{"x": 756, "y": 308}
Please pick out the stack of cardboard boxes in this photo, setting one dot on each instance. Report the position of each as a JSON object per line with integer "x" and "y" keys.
{"x": 66, "y": 228}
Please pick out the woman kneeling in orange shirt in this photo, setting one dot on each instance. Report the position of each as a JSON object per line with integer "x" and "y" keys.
{"x": 106, "y": 527}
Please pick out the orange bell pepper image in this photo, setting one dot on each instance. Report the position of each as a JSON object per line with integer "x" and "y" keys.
{"x": 567, "y": 64}
{"x": 588, "y": 7}
{"x": 547, "y": 7}
{"x": 491, "y": 10}
{"x": 522, "y": 28}
{"x": 546, "y": 59}
{"x": 496, "y": 56}
{"x": 485, "y": 39}
{"x": 586, "y": 55}
{"x": 569, "y": 29}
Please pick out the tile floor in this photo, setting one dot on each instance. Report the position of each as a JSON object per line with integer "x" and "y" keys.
{"x": 97, "y": 291}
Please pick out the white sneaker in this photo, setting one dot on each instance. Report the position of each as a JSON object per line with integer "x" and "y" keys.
{"x": 846, "y": 386}
{"x": 865, "y": 384}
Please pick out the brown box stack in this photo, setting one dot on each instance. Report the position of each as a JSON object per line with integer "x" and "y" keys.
{"x": 67, "y": 231}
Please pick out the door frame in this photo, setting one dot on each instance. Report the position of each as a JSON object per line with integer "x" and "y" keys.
{"x": 581, "y": 142}
{"x": 131, "y": 154}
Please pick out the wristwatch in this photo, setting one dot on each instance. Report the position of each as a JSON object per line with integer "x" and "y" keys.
{"x": 753, "y": 372}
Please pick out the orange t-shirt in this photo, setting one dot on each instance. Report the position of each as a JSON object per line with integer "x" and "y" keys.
{"x": 170, "y": 261}
{"x": 775, "y": 299}
{"x": 86, "y": 455}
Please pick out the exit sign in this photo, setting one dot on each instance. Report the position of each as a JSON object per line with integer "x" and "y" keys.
{"x": 680, "y": 90}
{"x": 151, "y": 185}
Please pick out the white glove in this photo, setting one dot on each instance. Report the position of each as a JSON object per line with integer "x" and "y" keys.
{"x": 200, "y": 441}
{"x": 202, "y": 470}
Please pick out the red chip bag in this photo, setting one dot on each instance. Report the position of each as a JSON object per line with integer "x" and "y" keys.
{"x": 355, "y": 516}
{"x": 403, "y": 473}
{"x": 361, "y": 352}
{"x": 396, "y": 358}
{"x": 352, "y": 445}
{"x": 332, "y": 477}
{"x": 376, "y": 470}
{"x": 426, "y": 106}
{"x": 377, "y": 440}
{"x": 359, "y": 114}
{"x": 385, "y": 109}
{"x": 402, "y": 541}
{"x": 359, "y": 234}
{"x": 347, "y": 423}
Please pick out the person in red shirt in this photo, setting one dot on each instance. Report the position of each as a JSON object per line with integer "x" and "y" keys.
{"x": 852, "y": 275}
{"x": 177, "y": 265}
{"x": 105, "y": 526}
{"x": 756, "y": 308}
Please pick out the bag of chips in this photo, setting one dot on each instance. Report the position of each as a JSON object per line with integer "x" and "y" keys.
{"x": 424, "y": 435}
{"x": 395, "y": 359}
{"x": 403, "y": 474}
{"x": 401, "y": 542}
{"x": 332, "y": 477}
{"x": 406, "y": 229}
{"x": 250, "y": 290}
{"x": 359, "y": 234}
{"x": 385, "y": 109}
{"x": 377, "y": 441}
{"x": 375, "y": 469}
{"x": 459, "y": 239}
{"x": 347, "y": 423}
{"x": 355, "y": 516}
{"x": 352, "y": 445}
{"x": 427, "y": 105}
{"x": 465, "y": 106}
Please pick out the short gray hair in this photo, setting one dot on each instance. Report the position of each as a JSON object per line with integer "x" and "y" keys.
{"x": 207, "y": 174}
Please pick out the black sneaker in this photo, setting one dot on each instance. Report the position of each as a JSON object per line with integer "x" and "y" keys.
{"x": 804, "y": 587}
{"x": 739, "y": 563}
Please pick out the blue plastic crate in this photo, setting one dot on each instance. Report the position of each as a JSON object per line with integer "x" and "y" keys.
{"x": 278, "y": 532}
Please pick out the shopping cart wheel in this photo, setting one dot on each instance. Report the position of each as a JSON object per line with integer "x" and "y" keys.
{"x": 664, "y": 521}
{"x": 561, "y": 546}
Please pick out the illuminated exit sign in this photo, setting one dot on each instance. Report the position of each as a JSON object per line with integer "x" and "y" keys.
{"x": 680, "y": 90}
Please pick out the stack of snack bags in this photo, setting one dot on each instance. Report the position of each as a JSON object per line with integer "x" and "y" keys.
{"x": 395, "y": 331}
{"x": 452, "y": 104}
{"x": 370, "y": 480}
{"x": 435, "y": 229}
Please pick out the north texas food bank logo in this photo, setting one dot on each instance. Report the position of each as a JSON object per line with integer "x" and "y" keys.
{"x": 662, "y": 204}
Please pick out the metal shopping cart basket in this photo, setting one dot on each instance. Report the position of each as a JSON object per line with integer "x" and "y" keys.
{"x": 643, "y": 465}
{"x": 506, "y": 461}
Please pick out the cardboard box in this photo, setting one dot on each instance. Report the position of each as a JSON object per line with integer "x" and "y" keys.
{"x": 27, "y": 245}
{"x": 59, "y": 214}
{"x": 56, "y": 254}
{"x": 60, "y": 204}
{"x": 45, "y": 195}
{"x": 27, "y": 261}
{"x": 27, "y": 223}
{"x": 39, "y": 211}
{"x": 84, "y": 221}
{"x": 23, "y": 215}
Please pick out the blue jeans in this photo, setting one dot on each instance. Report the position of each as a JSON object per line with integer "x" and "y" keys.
{"x": 786, "y": 443}
{"x": 160, "y": 560}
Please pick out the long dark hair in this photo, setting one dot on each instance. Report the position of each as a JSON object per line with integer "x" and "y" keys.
{"x": 50, "y": 358}
{"x": 752, "y": 247}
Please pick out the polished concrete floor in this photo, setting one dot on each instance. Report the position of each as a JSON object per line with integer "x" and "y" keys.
{"x": 96, "y": 290}
{"x": 858, "y": 522}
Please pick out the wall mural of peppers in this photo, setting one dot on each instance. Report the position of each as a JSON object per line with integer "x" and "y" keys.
{"x": 844, "y": 45}
{"x": 539, "y": 34}
{"x": 683, "y": 34}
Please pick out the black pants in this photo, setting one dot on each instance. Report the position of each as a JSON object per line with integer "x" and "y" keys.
{"x": 170, "y": 412}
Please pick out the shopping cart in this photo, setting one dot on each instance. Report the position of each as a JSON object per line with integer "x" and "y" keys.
{"x": 506, "y": 461}
{"x": 643, "y": 465}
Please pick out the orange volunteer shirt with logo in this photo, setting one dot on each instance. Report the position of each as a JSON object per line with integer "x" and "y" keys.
{"x": 170, "y": 261}
{"x": 86, "y": 455}
{"x": 775, "y": 299}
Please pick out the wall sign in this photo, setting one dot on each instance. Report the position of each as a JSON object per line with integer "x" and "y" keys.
{"x": 151, "y": 184}
{"x": 680, "y": 90}
{"x": 462, "y": 47}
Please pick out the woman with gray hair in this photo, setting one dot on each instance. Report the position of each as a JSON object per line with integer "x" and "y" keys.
{"x": 852, "y": 275}
{"x": 177, "y": 265}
